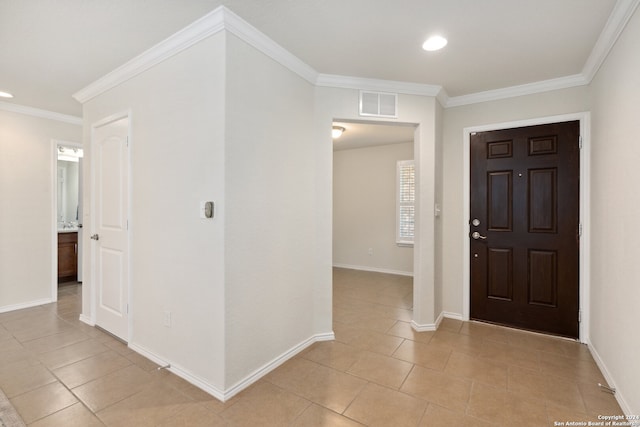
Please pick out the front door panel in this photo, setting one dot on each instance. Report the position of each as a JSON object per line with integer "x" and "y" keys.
{"x": 525, "y": 253}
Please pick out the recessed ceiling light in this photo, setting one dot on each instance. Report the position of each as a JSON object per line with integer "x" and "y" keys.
{"x": 434, "y": 43}
{"x": 5, "y": 95}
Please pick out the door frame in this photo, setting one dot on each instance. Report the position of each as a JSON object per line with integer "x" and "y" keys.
{"x": 55, "y": 143}
{"x": 585, "y": 213}
{"x": 415, "y": 247}
{"x": 89, "y": 300}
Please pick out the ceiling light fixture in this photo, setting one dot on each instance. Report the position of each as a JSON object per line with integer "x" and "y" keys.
{"x": 5, "y": 95}
{"x": 434, "y": 43}
{"x": 70, "y": 154}
{"x": 337, "y": 131}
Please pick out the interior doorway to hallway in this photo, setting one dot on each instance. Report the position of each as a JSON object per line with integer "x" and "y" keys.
{"x": 366, "y": 208}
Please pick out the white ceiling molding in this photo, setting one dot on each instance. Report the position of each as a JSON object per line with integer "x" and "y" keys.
{"x": 217, "y": 20}
{"x": 251, "y": 35}
{"x": 358, "y": 83}
{"x": 43, "y": 114}
{"x": 620, "y": 15}
{"x": 622, "y": 12}
{"x": 223, "y": 19}
{"x": 204, "y": 27}
{"x": 520, "y": 90}
{"x": 443, "y": 98}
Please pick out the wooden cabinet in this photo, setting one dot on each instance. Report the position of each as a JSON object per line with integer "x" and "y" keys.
{"x": 67, "y": 257}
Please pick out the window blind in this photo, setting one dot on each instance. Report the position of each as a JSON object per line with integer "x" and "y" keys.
{"x": 406, "y": 200}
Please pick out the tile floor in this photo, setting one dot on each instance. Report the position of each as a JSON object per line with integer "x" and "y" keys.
{"x": 378, "y": 372}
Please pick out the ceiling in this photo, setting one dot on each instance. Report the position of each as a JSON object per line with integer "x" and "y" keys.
{"x": 363, "y": 134}
{"x": 53, "y": 48}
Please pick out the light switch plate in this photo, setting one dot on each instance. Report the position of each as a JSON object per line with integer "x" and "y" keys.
{"x": 207, "y": 210}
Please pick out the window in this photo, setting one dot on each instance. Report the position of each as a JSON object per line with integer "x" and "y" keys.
{"x": 406, "y": 202}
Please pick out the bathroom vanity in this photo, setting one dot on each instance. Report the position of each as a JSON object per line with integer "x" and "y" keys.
{"x": 67, "y": 255}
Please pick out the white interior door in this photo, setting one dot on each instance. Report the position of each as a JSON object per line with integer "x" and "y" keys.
{"x": 110, "y": 226}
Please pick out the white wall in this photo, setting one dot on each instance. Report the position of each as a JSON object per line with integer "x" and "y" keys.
{"x": 177, "y": 160}
{"x": 240, "y": 287}
{"x": 615, "y": 215}
{"x": 270, "y": 239}
{"x": 455, "y": 120}
{"x": 27, "y": 210}
{"x": 364, "y": 209}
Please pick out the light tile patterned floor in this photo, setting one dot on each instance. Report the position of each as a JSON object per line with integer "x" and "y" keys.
{"x": 57, "y": 371}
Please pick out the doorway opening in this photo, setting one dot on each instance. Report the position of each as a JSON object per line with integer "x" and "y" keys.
{"x": 67, "y": 164}
{"x": 371, "y": 221}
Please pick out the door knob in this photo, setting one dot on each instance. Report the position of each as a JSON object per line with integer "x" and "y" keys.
{"x": 95, "y": 237}
{"x": 475, "y": 235}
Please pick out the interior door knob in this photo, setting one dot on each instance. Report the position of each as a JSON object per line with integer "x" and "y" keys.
{"x": 95, "y": 237}
{"x": 475, "y": 235}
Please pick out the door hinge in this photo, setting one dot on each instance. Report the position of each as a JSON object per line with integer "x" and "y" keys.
{"x": 128, "y": 142}
{"x": 580, "y": 142}
{"x": 579, "y": 316}
{"x": 580, "y": 230}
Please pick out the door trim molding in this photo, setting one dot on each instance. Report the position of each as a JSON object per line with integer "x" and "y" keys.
{"x": 89, "y": 303}
{"x": 585, "y": 203}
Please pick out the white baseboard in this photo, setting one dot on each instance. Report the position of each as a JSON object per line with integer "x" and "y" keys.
{"x": 455, "y": 316}
{"x": 27, "y": 304}
{"x": 374, "y": 269}
{"x": 86, "y": 319}
{"x": 227, "y": 394}
{"x": 270, "y": 366}
{"x": 607, "y": 376}
{"x": 434, "y": 326}
{"x": 439, "y": 320}
{"x": 180, "y": 371}
{"x": 429, "y": 327}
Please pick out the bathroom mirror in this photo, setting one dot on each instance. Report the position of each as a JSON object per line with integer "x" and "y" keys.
{"x": 69, "y": 165}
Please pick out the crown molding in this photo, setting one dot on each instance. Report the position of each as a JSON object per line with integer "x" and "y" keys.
{"x": 215, "y": 21}
{"x": 520, "y": 90}
{"x": 358, "y": 83}
{"x": 43, "y": 114}
{"x": 208, "y": 25}
{"x": 443, "y": 98}
{"x": 620, "y": 15}
{"x": 222, "y": 18}
{"x": 252, "y": 36}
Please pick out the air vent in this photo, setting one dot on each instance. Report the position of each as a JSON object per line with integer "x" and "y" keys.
{"x": 378, "y": 104}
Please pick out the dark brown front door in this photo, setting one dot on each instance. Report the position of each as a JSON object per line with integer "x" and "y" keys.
{"x": 525, "y": 215}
